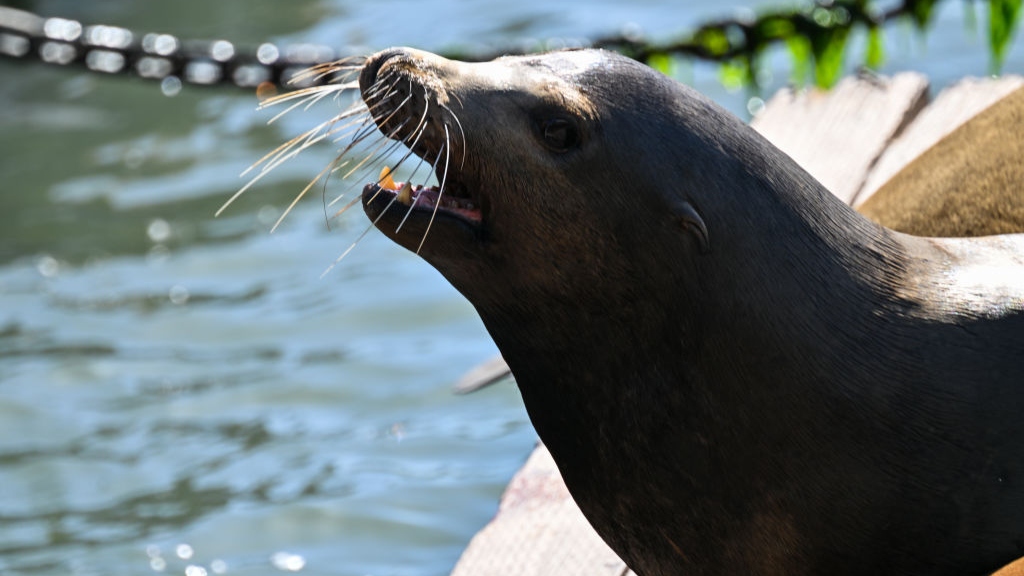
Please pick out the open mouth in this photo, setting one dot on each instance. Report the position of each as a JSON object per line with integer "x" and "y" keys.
{"x": 451, "y": 201}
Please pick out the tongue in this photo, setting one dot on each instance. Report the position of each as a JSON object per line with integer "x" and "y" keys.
{"x": 426, "y": 197}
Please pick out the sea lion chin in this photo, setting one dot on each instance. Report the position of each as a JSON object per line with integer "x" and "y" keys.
{"x": 734, "y": 371}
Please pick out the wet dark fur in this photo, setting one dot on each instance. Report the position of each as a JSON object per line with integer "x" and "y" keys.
{"x": 815, "y": 395}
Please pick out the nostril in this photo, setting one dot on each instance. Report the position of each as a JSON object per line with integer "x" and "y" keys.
{"x": 374, "y": 63}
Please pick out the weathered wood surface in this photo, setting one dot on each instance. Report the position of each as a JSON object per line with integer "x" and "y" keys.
{"x": 838, "y": 135}
{"x": 852, "y": 138}
{"x": 539, "y": 531}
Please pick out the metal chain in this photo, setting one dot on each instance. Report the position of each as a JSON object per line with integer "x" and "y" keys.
{"x": 160, "y": 57}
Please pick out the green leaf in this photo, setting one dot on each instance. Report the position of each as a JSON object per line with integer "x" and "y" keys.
{"x": 1003, "y": 16}
{"x": 661, "y": 62}
{"x": 774, "y": 27}
{"x": 875, "y": 55}
{"x": 800, "y": 49}
{"x": 921, "y": 12}
{"x": 828, "y": 47}
{"x": 734, "y": 74}
{"x": 713, "y": 40}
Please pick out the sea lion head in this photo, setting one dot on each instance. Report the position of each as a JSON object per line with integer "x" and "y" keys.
{"x": 539, "y": 157}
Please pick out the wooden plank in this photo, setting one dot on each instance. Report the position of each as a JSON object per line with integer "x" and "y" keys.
{"x": 839, "y": 134}
{"x": 539, "y": 531}
{"x": 952, "y": 107}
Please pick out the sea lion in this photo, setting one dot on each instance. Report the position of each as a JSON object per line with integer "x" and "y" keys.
{"x": 735, "y": 372}
{"x": 970, "y": 183}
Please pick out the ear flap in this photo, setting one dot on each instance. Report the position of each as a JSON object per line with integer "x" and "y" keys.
{"x": 692, "y": 221}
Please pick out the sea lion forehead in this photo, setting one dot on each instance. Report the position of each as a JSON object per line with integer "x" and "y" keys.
{"x": 571, "y": 64}
{"x": 557, "y": 78}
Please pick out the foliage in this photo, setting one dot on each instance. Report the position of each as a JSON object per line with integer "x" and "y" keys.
{"x": 1002, "y": 21}
{"x": 816, "y": 35}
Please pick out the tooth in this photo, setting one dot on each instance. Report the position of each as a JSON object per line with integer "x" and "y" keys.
{"x": 405, "y": 194}
{"x": 386, "y": 181}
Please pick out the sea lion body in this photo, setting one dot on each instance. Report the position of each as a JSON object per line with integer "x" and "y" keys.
{"x": 734, "y": 371}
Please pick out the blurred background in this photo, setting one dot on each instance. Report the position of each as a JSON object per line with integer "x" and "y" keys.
{"x": 185, "y": 394}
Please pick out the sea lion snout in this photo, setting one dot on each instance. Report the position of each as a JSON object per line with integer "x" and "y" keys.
{"x": 408, "y": 59}
{"x": 371, "y": 69}
{"x": 406, "y": 97}
{"x": 404, "y": 91}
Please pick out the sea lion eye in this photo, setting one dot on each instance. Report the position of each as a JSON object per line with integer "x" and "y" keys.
{"x": 559, "y": 134}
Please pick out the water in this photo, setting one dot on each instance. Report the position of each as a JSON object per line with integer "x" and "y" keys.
{"x": 182, "y": 392}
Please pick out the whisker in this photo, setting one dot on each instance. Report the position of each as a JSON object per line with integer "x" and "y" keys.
{"x": 377, "y": 157}
{"x": 299, "y": 93}
{"x": 375, "y": 151}
{"x": 366, "y": 169}
{"x": 276, "y": 156}
{"x": 385, "y": 153}
{"x": 372, "y": 108}
{"x": 307, "y": 97}
{"x": 413, "y": 174}
{"x": 320, "y": 71}
{"x": 299, "y": 196}
{"x": 397, "y": 109}
{"x": 384, "y": 142}
{"x": 307, "y": 90}
{"x": 440, "y": 191}
{"x": 331, "y": 167}
{"x": 378, "y": 86}
{"x": 288, "y": 151}
{"x": 420, "y": 128}
{"x": 366, "y": 129}
{"x": 363, "y": 144}
{"x": 285, "y": 152}
{"x": 370, "y": 128}
{"x": 265, "y": 171}
{"x": 328, "y": 67}
{"x": 359, "y": 239}
{"x": 345, "y": 208}
{"x": 462, "y": 133}
{"x": 313, "y": 99}
{"x": 346, "y": 122}
{"x": 405, "y": 157}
